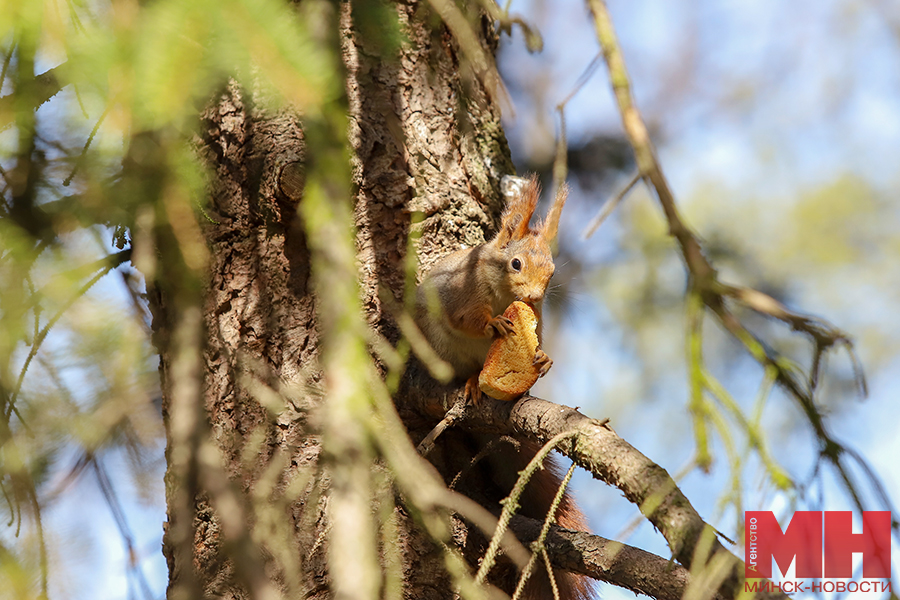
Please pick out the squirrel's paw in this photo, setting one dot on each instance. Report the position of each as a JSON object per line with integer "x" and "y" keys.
{"x": 500, "y": 327}
{"x": 542, "y": 362}
{"x": 473, "y": 392}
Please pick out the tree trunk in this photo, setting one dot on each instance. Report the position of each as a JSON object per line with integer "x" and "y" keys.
{"x": 426, "y": 137}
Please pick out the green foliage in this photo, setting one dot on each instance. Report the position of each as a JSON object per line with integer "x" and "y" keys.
{"x": 830, "y": 226}
{"x": 378, "y": 27}
{"x": 109, "y": 158}
{"x": 157, "y": 65}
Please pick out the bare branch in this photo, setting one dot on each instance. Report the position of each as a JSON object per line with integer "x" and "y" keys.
{"x": 607, "y": 560}
{"x": 454, "y": 414}
{"x": 609, "y": 206}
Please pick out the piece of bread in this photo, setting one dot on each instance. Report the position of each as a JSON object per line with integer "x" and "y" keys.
{"x": 509, "y": 369}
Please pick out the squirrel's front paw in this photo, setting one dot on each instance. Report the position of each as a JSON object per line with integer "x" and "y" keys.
{"x": 542, "y": 362}
{"x": 500, "y": 327}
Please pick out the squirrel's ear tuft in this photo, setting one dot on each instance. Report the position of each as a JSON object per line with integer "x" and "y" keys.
{"x": 551, "y": 223}
{"x": 508, "y": 228}
{"x": 520, "y": 204}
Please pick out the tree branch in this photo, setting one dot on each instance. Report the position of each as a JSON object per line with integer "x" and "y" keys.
{"x": 607, "y": 560}
{"x": 598, "y": 449}
{"x": 43, "y": 86}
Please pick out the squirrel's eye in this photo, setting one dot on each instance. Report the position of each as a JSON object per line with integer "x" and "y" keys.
{"x": 516, "y": 264}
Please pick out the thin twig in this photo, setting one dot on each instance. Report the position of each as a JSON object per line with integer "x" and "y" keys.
{"x": 488, "y": 449}
{"x": 457, "y": 411}
{"x": 610, "y": 205}
{"x": 118, "y": 513}
{"x": 511, "y": 503}
{"x": 6, "y": 59}
{"x": 824, "y": 334}
{"x": 36, "y": 344}
{"x": 538, "y": 547}
{"x": 550, "y": 574}
{"x": 582, "y": 79}
{"x": 629, "y": 528}
{"x": 42, "y": 544}
{"x": 9, "y": 502}
{"x": 561, "y": 161}
{"x": 87, "y": 145}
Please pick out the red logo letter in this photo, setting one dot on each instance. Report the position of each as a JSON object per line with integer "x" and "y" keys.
{"x": 765, "y": 541}
{"x": 874, "y": 542}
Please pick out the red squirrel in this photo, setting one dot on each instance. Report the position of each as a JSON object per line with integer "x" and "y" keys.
{"x": 459, "y": 308}
{"x": 460, "y": 303}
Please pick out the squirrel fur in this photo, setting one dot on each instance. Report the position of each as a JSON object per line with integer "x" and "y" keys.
{"x": 459, "y": 308}
{"x": 460, "y": 303}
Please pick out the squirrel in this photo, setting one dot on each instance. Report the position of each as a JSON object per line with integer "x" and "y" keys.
{"x": 460, "y": 303}
{"x": 459, "y": 308}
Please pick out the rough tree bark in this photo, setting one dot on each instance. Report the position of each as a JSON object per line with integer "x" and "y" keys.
{"x": 425, "y": 138}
